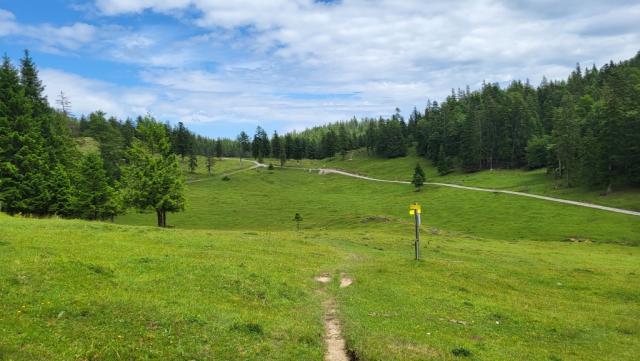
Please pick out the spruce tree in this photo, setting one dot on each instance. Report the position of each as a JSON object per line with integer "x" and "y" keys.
{"x": 243, "y": 144}
{"x": 210, "y": 163}
{"x": 94, "y": 196}
{"x": 154, "y": 181}
{"x": 418, "y": 177}
{"x": 444, "y": 162}
{"x": 32, "y": 85}
{"x": 275, "y": 145}
{"x": 283, "y": 153}
{"x": 219, "y": 151}
{"x": 24, "y": 163}
{"x": 193, "y": 163}
{"x": 64, "y": 197}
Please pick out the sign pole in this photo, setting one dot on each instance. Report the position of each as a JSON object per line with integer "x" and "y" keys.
{"x": 417, "y": 243}
{"x": 415, "y": 210}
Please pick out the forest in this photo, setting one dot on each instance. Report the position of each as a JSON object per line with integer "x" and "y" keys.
{"x": 585, "y": 130}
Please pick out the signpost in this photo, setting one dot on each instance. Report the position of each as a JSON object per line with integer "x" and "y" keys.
{"x": 415, "y": 210}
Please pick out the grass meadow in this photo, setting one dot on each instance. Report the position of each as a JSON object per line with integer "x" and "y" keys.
{"x": 528, "y": 181}
{"x": 502, "y": 277}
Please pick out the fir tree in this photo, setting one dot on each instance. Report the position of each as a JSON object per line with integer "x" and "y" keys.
{"x": 94, "y": 197}
{"x": 418, "y": 177}
{"x": 210, "y": 163}
{"x": 193, "y": 163}
{"x": 219, "y": 152}
{"x": 154, "y": 183}
{"x": 243, "y": 144}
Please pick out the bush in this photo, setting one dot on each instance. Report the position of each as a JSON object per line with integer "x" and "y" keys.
{"x": 270, "y": 166}
{"x": 461, "y": 351}
{"x": 226, "y": 178}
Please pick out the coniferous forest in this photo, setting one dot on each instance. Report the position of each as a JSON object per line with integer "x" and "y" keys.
{"x": 585, "y": 130}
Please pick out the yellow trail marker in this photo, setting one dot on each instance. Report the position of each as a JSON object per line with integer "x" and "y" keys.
{"x": 413, "y": 208}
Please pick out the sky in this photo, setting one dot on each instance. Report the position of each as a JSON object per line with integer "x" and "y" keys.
{"x": 224, "y": 66}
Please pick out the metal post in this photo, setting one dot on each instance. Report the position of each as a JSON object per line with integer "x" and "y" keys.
{"x": 417, "y": 243}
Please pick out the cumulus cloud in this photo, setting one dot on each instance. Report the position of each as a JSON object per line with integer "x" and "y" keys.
{"x": 89, "y": 95}
{"x": 304, "y": 62}
{"x": 46, "y": 36}
{"x": 409, "y": 41}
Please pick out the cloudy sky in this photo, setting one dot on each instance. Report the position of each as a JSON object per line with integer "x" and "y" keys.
{"x": 224, "y": 66}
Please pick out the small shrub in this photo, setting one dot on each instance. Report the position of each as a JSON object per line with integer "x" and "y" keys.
{"x": 249, "y": 328}
{"x": 461, "y": 352}
{"x": 270, "y": 166}
{"x": 226, "y": 178}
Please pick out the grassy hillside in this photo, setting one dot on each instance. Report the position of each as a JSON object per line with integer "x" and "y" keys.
{"x": 535, "y": 181}
{"x": 94, "y": 291}
{"x": 502, "y": 277}
{"x": 83, "y": 290}
{"x": 267, "y": 200}
{"x": 220, "y": 167}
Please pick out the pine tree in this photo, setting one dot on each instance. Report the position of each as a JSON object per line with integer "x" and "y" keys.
{"x": 210, "y": 163}
{"x": 193, "y": 163}
{"x": 219, "y": 151}
{"x": 183, "y": 140}
{"x": 244, "y": 144}
{"x": 275, "y": 145}
{"x": 24, "y": 163}
{"x": 63, "y": 199}
{"x": 444, "y": 162}
{"x": 154, "y": 182}
{"x": 32, "y": 85}
{"x": 418, "y": 177}
{"x": 94, "y": 197}
{"x": 283, "y": 153}
{"x": 566, "y": 138}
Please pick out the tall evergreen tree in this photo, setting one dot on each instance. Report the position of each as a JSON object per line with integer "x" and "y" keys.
{"x": 95, "y": 197}
{"x": 154, "y": 180}
{"x": 193, "y": 163}
{"x": 244, "y": 144}
{"x": 418, "y": 177}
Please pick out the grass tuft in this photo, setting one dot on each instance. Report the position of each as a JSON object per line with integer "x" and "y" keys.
{"x": 461, "y": 352}
{"x": 248, "y": 328}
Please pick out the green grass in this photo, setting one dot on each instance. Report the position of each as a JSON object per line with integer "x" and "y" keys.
{"x": 82, "y": 290}
{"x": 87, "y": 145}
{"x": 220, "y": 167}
{"x": 79, "y": 290}
{"x": 502, "y": 277}
{"x": 500, "y": 301}
{"x": 267, "y": 200}
{"x": 534, "y": 181}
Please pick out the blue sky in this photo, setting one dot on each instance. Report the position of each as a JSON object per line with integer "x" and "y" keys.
{"x": 226, "y": 66}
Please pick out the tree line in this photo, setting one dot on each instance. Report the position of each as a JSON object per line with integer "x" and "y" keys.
{"x": 584, "y": 129}
{"x": 42, "y": 171}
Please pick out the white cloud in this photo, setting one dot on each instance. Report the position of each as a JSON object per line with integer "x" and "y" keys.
{"x": 256, "y": 60}
{"x": 88, "y": 95}
{"x": 46, "y": 36}
{"x": 7, "y": 23}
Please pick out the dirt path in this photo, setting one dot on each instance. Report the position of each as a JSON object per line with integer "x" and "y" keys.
{"x": 552, "y": 199}
{"x": 336, "y": 345}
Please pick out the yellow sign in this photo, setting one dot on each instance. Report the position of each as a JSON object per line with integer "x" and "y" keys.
{"x": 415, "y": 208}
